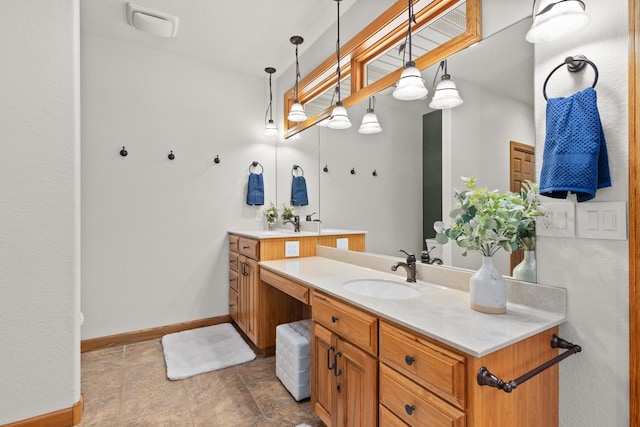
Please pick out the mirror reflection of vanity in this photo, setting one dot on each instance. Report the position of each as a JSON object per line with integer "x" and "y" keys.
{"x": 495, "y": 79}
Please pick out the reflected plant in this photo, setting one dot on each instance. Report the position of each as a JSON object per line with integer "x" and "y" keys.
{"x": 271, "y": 213}
{"x": 288, "y": 212}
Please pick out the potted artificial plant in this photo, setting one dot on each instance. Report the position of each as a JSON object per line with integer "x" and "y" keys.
{"x": 487, "y": 221}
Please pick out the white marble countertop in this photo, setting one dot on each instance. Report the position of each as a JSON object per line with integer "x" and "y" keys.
{"x": 439, "y": 312}
{"x": 284, "y": 233}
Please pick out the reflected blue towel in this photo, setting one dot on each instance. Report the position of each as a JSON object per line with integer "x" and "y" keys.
{"x": 255, "y": 190}
{"x": 299, "y": 191}
{"x": 575, "y": 152}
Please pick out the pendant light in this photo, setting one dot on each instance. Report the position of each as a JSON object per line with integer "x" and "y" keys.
{"x": 446, "y": 94}
{"x": 410, "y": 86}
{"x": 370, "y": 124}
{"x": 296, "y": 114}
{"x": 339, "y": 118}
{"x": 556, "y": 19}
{"x": 270, "y": 128}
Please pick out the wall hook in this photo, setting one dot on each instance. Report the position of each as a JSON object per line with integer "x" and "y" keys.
{"x": 171, "y": 156}
{"x": 374, "y": 173}
{"x": 353, "y": 171}
{"x": 123, "y": 152}
{"x": 326, "y": 168}
{"x": 217, "y": 159}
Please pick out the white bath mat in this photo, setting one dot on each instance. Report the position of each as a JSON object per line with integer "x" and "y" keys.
{"x": 201, "y": 350}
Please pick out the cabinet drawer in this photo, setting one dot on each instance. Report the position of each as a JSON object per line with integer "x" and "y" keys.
{"x": 289, "y": 287}
{"x": 249, "y": 248}
{"x": 233, "y": 243}
{"x": 233, "y": 304}
{"x": 233, "y": 280}
{"x": 388, "y": 419}
{"x": 233, "y": 261}
{"x": 346, "y": 321}
{"x": 429, "y": 365}
{"x": 415, "y": 405}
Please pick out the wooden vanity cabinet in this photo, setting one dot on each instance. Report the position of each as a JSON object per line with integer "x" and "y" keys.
{"x": 258, "y": 304}
{"x": 344, "y": 376}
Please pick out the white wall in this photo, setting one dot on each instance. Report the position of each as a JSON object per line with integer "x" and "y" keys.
{"x": 153, "y": 230}
{"x": 40, "y": 215}
{"x": 594, "y": 384}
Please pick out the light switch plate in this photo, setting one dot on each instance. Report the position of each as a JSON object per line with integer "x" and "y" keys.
{"x": 558, "y": 220}
{"x": 602, "y": 220}
{"x": 342, "y": 243}
{"x": 291, "y": 249}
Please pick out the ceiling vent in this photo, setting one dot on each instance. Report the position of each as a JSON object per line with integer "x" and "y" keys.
{"x": 152, "y": 21}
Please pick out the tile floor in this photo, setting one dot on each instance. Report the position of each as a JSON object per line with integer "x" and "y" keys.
{"x": 127, "y": 386}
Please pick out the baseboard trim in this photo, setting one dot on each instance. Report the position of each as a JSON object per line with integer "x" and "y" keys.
{"x": 63, "y": 418}
{"x": 148, "y": 334}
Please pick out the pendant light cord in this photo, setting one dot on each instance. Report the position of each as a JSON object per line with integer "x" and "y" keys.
{"x": 411, "y": 18}
{"x": 338, "y": 51}
{"x": 269, "y": 111}
{"x": 297, "y": 72}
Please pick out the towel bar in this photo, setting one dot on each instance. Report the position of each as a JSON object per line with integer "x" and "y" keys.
{"x": 574, "y": 64}
{"x": 485, "y": 377}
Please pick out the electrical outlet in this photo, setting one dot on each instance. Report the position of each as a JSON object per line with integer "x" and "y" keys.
{"x": 342, "y": 243}
{"x": 558, "y": 220}
{"x": 291, "y": 249}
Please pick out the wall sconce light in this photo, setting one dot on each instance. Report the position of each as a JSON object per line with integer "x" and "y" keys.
{"x": 370, "y": 124}
{"x": 270, "y": 128}
{"x": 296, "y": 114}
{"x": 410, "y": 86}
{"x": 446, "y": 94}
{"x": 556, "y": 19}
{"x": 339, "y": 118}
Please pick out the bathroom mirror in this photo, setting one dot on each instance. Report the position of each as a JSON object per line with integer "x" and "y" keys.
{"x": 495, "y": 79}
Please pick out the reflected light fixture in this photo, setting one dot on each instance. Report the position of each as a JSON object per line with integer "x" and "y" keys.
{"x": 296, "y": 114}
{"x": 410, "y": 86}
{"x": 339, "y": 118}
{"x": 270, "y": 128}
{"x": 370, "y": 124}
{"x": 555, "y": 19}
{"x": 446, "y": 94}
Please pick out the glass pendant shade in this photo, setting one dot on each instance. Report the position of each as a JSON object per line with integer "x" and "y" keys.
{"x": 370, "y": 124}
{"x": 555, "y": 19}
{"x": 296, "y": 114}
{"x": 411, "y": 85}
{"x": 446, "y": 94}
{"x": 270, "y": 129}
{"x": 339, "y": 117}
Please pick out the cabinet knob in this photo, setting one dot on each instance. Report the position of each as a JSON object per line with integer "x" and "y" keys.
{"x": 245, "y": 247}
{"x": 409, "y": 360}
{"x": 334, "y": 319}
{"x": 409, "y": 409}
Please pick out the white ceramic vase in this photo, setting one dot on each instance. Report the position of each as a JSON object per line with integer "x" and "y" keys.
{"x": 526, "y": 270}
{"x": 488, "y": 289}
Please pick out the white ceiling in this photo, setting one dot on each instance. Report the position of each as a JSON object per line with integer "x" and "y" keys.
{"x": 243, "y": 35}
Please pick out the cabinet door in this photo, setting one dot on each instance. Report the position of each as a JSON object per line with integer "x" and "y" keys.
{"x": 356, "y": 387}
{"x": 322, "y": 378}
{"x": 251, "y": 299}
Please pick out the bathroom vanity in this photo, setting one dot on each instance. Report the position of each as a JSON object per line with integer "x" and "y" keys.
{"x": 402, "y": 358}
{"x": 258, "y": 308}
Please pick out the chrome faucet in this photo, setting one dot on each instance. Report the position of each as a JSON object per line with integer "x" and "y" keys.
{"x": 409, "y": 266}
{"x": 295, "y": 222}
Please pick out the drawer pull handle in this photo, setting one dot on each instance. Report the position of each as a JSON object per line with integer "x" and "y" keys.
{"x": 337, "y": 372}
{"x": 334, "y": 319}
{"x": 409, "y": 409}
{"x": 409, "y": 360}
{"x": 329, "y": 365}
{"x": 246, "y": 247}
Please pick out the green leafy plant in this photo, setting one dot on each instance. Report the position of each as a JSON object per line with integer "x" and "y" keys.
{"x": 288, "y": 212}
{"x": 486, "y": 221}
{"x": 271, "y": 213}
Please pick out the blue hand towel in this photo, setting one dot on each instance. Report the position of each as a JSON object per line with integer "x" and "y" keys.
{"x": 299, "y": 191}
{"x": 575, "y": 152}
{"x": 255, "y": 190}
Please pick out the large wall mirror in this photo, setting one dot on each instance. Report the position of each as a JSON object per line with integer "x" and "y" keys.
{"x": 495, "y": 79}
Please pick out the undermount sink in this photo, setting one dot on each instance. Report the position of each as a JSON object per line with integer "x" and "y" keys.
{"x": 380, "y": 288}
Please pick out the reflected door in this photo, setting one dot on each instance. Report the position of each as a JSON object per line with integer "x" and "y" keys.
{"x": 521, "y": 169}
